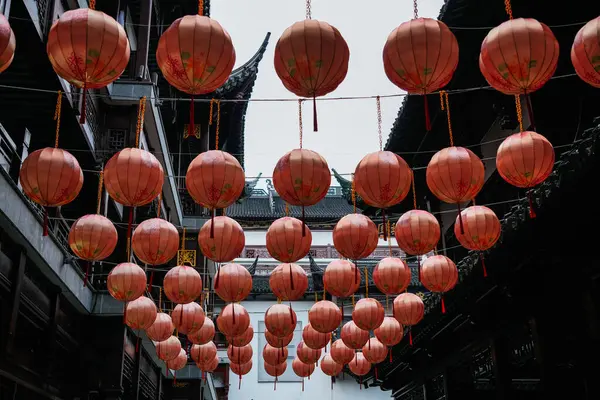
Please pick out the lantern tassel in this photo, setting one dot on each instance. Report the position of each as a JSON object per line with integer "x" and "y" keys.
{"x": 427, "y": 118}
{"x": 303, "y": 223}
{"x": 391, "y": 356}
{"x": 410, "y": 338}
{"x": 315, "y": 123}
{"x": 125, "y": 313}
{"x": 462, "y": 228}
{"x": 361, "y": 383}
{"x": 240, "y": 382}
{"x": 233, "y": 314}
{"x": 384, "y": 225}
{"x": 212, "y": 224}
{"x": 530, "y": 111}
{"x": 174, "y": 377}
{"x": 150, "y": 281}
{"x": 217, "y": 279}
{"x": 483, "y": 265}
{"x": 332, "y": 383}
{"x": 532, "y": 213}
{"x": 303, "y": 384}
{"x": 291, "y": 278}
{"x": 87, "y": 273}
{"x": 192, "y": 128}
{"x": 275, "y": 384}
{"x": 291, "y": 313}
{"x": 443, "y": 305}
{"x": 129, "y": 226}
{"x": 45, "y": 225}
{"x": 83, "y": 106}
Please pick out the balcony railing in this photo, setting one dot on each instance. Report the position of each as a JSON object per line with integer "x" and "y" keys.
{"x": 8, "y": 150}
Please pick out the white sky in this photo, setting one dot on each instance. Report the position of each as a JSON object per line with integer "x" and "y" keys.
{"x": 347, "y": 128}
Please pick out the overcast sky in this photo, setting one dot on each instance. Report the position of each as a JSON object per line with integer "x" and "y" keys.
{"x": 347, "y": 128}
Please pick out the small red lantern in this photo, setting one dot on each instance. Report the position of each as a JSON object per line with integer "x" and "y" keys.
{"x": 241, "y": 369}
{"x": 274, "y": 355}
{"x": 243, "y": 339}
{"x": 313, "y": 338}
{"x": 182, "y": 284}
{"x": 417, "y": 232}
{"x": 391, "y": 275}
{"x": 233, "y": 320}
{"x": 161, "y": 329}
{"x": 341, "y": 278}
{"x": 209, "y": 366}
{"x": 233, "y": 283}
{"x": 7, "y": 44}
{"x": 306, "y": 354}
{"x": 168, "y": 349}
{"x": 482, "y": 230}
{"x": 275, "y": 371}
{"x": 93, "y": 237}
{"x": 353, "y": 336}
{"x": 341, "y": 353}
{"x": 178, "y": 362}
{"x": 355, "y": 236}
{"x": 368, "y": 314}
{"x": 439, "y": 274}
{"x": 221, "y": 239}
{"x": 324, "y": 316}
{"x": 126, "y": 282}
{"x": 390, "y": 332}
{"x": 140, "y": 313}
{"x": 280, "y": 320}
{"x": 374, "y": 351}
{"x": 408, "y": 310}
{"x": 285, "y": 241}
{"x": 330, "y": 367}
{"x": 155, "y": 241}
{"x": 288, "y": 282}
{"x": 205, "y": 334}
{"x": 359, "y": 365}
{"x": 203, "y": 353}
{"x": 585, "y": 53}
{"x": 239, "y": 355}
{"x": 301, "y": 369}
{"x": 279, "y": 342}
{"x": 188, "y": 317}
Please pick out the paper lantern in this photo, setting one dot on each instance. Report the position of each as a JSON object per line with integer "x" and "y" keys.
{"x": 275, "y": 370}
{"x": 182, "y": 284}
{"x": 205, "y": 334}
{"x": 188, "y": 317}
{"x": 330, "y": 367}
{"x": 313, "y": 338}
{"x": 481, "y": 230}
{"x": 274, "y": 355}
{"x": 519, "y": 56}
{"x": 390, "y": 332}
{"x": 140, "y": 313}
{"x": 221, "y": 239}
{"x": 178, "y": 362}
{"x": 126, "y": 282}
{"x": 161, "y": 329}
{"x": 233, "y": 320}
{"x": 233, "y": 283}
{"x": 155, "y": 241}
{"x": 241, "y": 369}
{"x": 353, "y": 336}
{"x": 408, "y": 309}
{"x": 341, "y": 278}
{"x": 306, "y": 354}
{"x": 341, "y": 353}
{"x": 93, "y": 237}
{"x": 374, "y": 351}
{"x": 585, "y": 53}
{"x": 301, "y": 369}
{"x": 243, "y": 339}
{"x": 417, "y": 232}
{"x": 168, "y": 349}
{"x": 288, "y": 282}
{"x": 439, "y": 274}
{"x": 355, "y": 236}
{"x": 239, "y": 355}
{"x": 391, "y": 275}
{"x": 324, "y": 316}
{"x": 359, "y": 365}
{"x": 7, "y": 44}
{"x": 209, "y": 366}
{"x": 203, "y": 353}
{"x": 285, "y": 241}
{"x": 382, "y": 179}
{"x": 311, "y": 59}
{"x": 279, "y": 342}
{"x": 51, "y": 177}
{"x": 368, "y": 314}
{"x": 280, "y": 320}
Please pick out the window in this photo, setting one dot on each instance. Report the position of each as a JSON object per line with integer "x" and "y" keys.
{"x": 288, "y": 375}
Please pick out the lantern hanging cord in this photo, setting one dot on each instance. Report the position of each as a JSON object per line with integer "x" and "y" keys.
{"x": 140, "y": 119}
{"x": 444, "y": 99}
{"x": 100, "y": 185}
{"x": 218, "y": 124}
{"x": 300, "y": 120}
{"x": 200, "y": 7}
{"x": 159, "y": 204}
{"x": 353, "y": 194}
{"x": 57, "y": 117}
{"x": 389, "y": 229}
{"x": 210, "y": 112}
{"x": 183, "y": 240}
{"x": 508, "y": 8}
{"x": 92, "y": 4}
{"x": 378, "y": 102}
{"x": 308, "y": 9}
{"x": 160, "y": 299}
{"x": 415, "y": 9}
{"x": 519, "y": 111}
{"x": 414, "y": 191}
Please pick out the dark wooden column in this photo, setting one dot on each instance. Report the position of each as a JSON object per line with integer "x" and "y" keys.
{"x": 51, "y": 331}
{"x": 16, "y": 287}
{"x": 589, "y": 346}
{"x": 143, "y": 40}
{"x": 502, "y": 369}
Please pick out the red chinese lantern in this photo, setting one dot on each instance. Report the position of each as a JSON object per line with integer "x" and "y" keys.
{"x": 126, "y": 282}
{"x": 525, "y": 160}
{"x": 455, "y": 175}
{"x": 355, "y": 236}
{"x": 140, "y": 313}
{"x": 182, "y": 284}
{"x": 241, "y": 369}
{"x": 188, "y": 317}
{"x": 155, "y": 241}
{"x": 243, "y": 339}
{"x": 585, "y": 53}
{"x": 203, "y": 353}
{"x": 391, "y": 275}
{"x": 51, "y": 177}
{"x": 87, "y": 48}
{"x": 313, "y": 338}
{"x": 341, "y": 353}
{"x": 417, "y": 232}
{"x": 209, "y": 366}
{"x": 330, "y": 367}
{"x": 482, "y": 230}
{"x": 374, "y": 351}
{"x": 168, "y": 349}
{"x": 221, "y": 239}
{"x": 178, "y": 362}
{"x": 420, "y": 57}
{"x": 359, "y": 365}
{"x": 274, "y": 355}
{"x": 233, "y": 320}
{"x": 280, "y": 320}
{"x": 161, "y": 329}
{"x": 288, "y": 282}
{"x": 302, "y": 178}
{"x": 341, "y": 278}
{"x": 353, "y": 336}
{"x": 368, "y": 314}
{"x": 519, "y": 56}
{"x": 285, "y": 241}
{"x": 311, "y": 59}
{"x": 324, "y": 316}
{"x": 205, "y": 334}
{"x": 408, "y": 310}
{"x": 240, "y": 355}
{"x": 390, "y": 332}
{"x": 7, "y": 44}
{"x": 306, "y": 354}
{"x": 279, "y": 342}
{"x": 233, "y": 283}
{"x": 439, "y": 274}
{"x": 301, "y": 369}
{"x": 275, "y": 371}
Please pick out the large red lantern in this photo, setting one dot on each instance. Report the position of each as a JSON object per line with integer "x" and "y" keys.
{"x": 313, "y": 338}
{"x": 368, "y": 314}
{"x": 88, "y": 48}
{"x": 221, "y": 239}
{"x": 51, "y": 177}
{"x": 409, "y": 310}
{"x": 275, "y": 371}
{"x": 324, "y": 316}
{"x": 482, "y": 229}
{"x": 519, "y": 56}
{"x": 178, "y": 362}
{"x": 391, "y": 275}
{"x": 311, "y": 59}
{"x": 285, "y": 241}
{"x": 240, "y": 369}
{"x": 205, "y": 334}
{"x": 243, "y": 339}
{"x": 188, "y": 317}
{"x": 439, "y": 274}
{"x": 209, "y": 366}
{"x": 341, "y": 353}
{"x": 420, "y": 57}
{"x": 239, "y": 355}
{"x": 93, "y": 237}
{"x": 288, "y": 282}
{"x": 341, "y": 278}
{"x": 355, "y": 236}
{"x": 233, "y": 283}
{"x": 203, "y": 353}
{"x": 375, "y": 351}
{"x": 302, "y": 369}
{"x": 585, "y": 53}
{"x": 140, "y": 313}
{"x": 161, "y": 329}
{"x": 168, "y": 349}
{"x": 359, "y": 365}
{"x": 233, "y": 320}
{"x": 7, "y": 44}
{"x": 274, "y": 355}
{"x": 126, "y": 282}
{"x": 330, "y": 367}
{"x": 279, "y": 342}
{"x": 353, "y": 336}
{"x": 390, "y": 332}
{"x": 417, "y": 232}
{"x": 306, "y": 354}
{"x": 182, "y": 284}
{"x": 155, "y": 241}
{"x": 280, "y": 320}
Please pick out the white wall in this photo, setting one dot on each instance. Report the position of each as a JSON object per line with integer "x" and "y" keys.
{"x": 319, "y": 385}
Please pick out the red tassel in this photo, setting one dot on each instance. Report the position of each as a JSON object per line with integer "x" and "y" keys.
{"x": 303, "y": 384}
{"x": 125, "y": 313}
{"x": 137, "y": 344}
{"x": 332, "y": 383}
{"x": 233, "y": 314}
{"x": 384, "y": 225}
{"x": 291, "y": 278}
{"x": 530, "y": 111}
{"x": 167, "y": 369}
{"x": 532, "y": 214}
{"x": 217, "y": 279}
{"x": 369, "y": 342}
{"x": 291, "y": 314}
{"x": 303, "y": 223}
{"x": 315, "y": 123}
{"x": 361, "y": 383}
{"x": 212, "y": 224}
{"x": 443, "y": 306}
{"x": 240, "y": 382}
{"x": 390, "y": 356}
{"x": 462, "y": 228}
{"x": 45, "y": 226}
{"x": 410, "y": 337}
{"x": 83, "y": 104}
{"x": 275, "y": 384}
{"x": 204, "y": 376}
{"x": 427, "y": 118}
{"x": 87, "y": 273}
{"x": 483, "y": 265}
{"x": 150, "y": 281}
{"x": 192, "y": 128}
{"x": 174, "y": 377}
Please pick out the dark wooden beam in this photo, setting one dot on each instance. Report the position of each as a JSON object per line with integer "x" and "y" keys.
{"x": 16, "y": 288}
{"x": 501, "y": 362}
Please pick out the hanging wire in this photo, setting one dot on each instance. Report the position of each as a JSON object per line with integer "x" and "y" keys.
{"x": 183, "y": 239}
{"x": 140, "y": 120}
{"x": 389, "y": 229}
{"x": 218, "y": 124}
{"x": 100, "y": 186}
{"x": 445, "y": 104}
{"x": 508, "y": 8}
{"x": 519, "y": 111}
{"x": 160, "y": 289}
{"x": 57, "y": 117}
{"x": 415, "y": 9}
{"x": 300, "y": 120}
{"x": 308, "y": 9}
{"x": 159, "y": 204}
{"x": 414, "y": 191}
{"x": 378, "y": 102}
{"x": 353, "y": 194}
{"x": 200, "y": 7}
